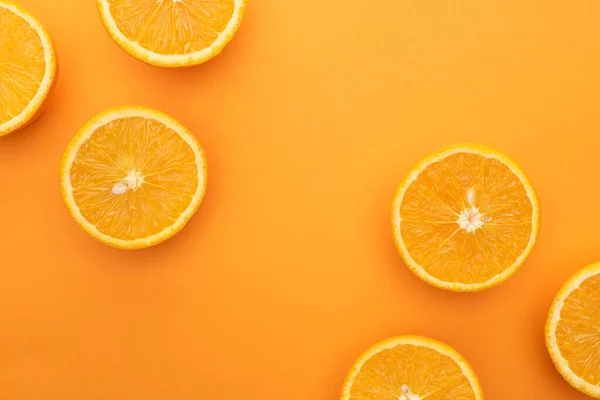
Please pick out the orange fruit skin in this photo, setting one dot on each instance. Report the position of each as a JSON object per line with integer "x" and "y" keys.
{"x": 409, "y": 179}
{"x": 52, "y": 70}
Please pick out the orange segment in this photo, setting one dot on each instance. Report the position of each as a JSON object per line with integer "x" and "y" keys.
{"x": 27, "y": 67}
{"x": 411, "y": 368}
{"x": 132, "y": 177}
{"x": 172, "y": 32}
{"x": 573, "y": 331}
{"x": 465, "y": 218}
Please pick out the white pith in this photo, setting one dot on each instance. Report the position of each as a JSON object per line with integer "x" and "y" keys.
{"x": 470, "y": 219}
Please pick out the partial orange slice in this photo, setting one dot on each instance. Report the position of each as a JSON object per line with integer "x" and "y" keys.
{"x": 465, "y": 218}
{"x": 573, "y": 331}
{"x": 27, "y": 67}
{"x": 132, "y": 177}
{"x": 172, "y": 33}
{"x": 411, "y": 368}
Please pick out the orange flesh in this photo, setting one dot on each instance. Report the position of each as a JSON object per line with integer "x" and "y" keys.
{"x": 172, "y": 26}
{"x": 463, "y": 183}
{"x": 578, "y": 330}
{"x": 133, "y": 146}
{"x": 427, "y": 373}
{"x": 22, "y": 64}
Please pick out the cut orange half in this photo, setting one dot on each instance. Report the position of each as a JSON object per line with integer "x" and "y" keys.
{"x": 172, "y": 33}
{"x": 27, "y": 67}
{"x": 465, "y": 218}
{"x": 132, "y": 177}
{"x": 573, "y": 331}
{"x": 411, "y": 368}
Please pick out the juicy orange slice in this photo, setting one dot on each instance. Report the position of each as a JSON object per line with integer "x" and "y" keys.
{"x": 411, "y": 368}
{"x": 27, "y": 67}
{"x": 573, "y": 331}
{"x": 132, "y": 177}
{"x": 172, "y": 33}
{"x": 465, "y": 218}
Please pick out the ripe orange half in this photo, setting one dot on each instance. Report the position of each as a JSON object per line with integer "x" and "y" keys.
{"x": 465, "y": 218}
{"x": 132, "y": 177}
{"x": 172, "y": 33}
{"x": 27, "y": 67}
{"x": 411, "y": 368}
{"x": 573, "y": 331}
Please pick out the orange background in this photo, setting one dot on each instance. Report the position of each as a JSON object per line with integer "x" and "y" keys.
{"x": 310, "y": 118}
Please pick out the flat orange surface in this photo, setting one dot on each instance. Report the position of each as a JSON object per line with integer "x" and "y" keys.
{"x": 309, "y": 119}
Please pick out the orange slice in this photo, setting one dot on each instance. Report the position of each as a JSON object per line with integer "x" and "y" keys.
{"x": 573, "y": 331}
{"x": 411, "y": 368}
{"x": 132, "y": 177}
{"x": 172, "y": 33}
{"x": 27, "y": 67}
{"x": 465, "y": 218}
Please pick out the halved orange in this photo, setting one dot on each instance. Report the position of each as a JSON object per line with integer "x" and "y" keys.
{"x": 411, "y": 368}
{"x": 172, "y": 33}
{"x": 132, "y": 177}
{"x": 465, "y": 218}
{"x": 27, "y": 67}
{"x": 573, "y": 331}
